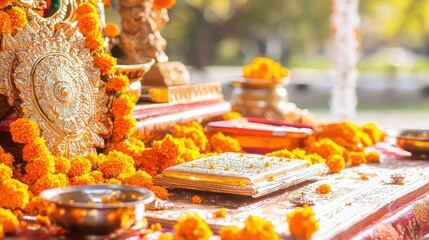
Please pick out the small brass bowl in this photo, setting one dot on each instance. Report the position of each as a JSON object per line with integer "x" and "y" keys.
{"x": 84, "y": 210}
{"x": 414, "y": 141}
{"x": 135, "y": 72}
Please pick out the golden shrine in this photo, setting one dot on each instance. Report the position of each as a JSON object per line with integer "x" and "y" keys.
{"x": 94, "y": 147}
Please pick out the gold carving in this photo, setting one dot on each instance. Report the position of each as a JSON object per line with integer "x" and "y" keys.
{"x": 64, "y": 13}
{"x": 59, "y": 88}
{"x": 167, "y": 74}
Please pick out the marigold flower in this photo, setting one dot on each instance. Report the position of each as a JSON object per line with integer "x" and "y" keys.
{"x": 165, "y": 236}
{"x": 5, "y": 172}
{"x": 192, "y": 227}
{"x": 372, "y": 157}
{"x": 196, "y": 199}
{"x": 5, "y": 23}
{"x": 117, "y": 163}
{"x": 84, "y": 9}
{"x": 230, "y": 233}
{"x": 356, "y": 158}
{"x": 84, "y": 179}
{"x": 193, "y": 131}
{"x": 191, "y": 151}
{"x": 265, "y": 68}
{"x": 9, "y": 221}
{"x": 62, "y": 165}
{"x": 122, "y": 106}
{"x": 36, "y": 149}
{"x": 220, "y": 213}
{"x": 374, "y": 132}
{"x": 24, "y": 130}
{"x": 112, "y": 181}
{"x": 140, "y": 179}
{"x": 124, "y": 126}
{"x": 18, "y": 18}
{"x": 302, "y": 222}
{"x": 325, "y": 147}
{"x": 160, "y": 4}
{"x": 112, "y": 30}
{"x": 363, "y": 177}
{"x": 258, "y": 228}
{"x": 37, "y": 206}
{"x": 149, "y": 161}
{"x": 283, "y": 153}
{"x": 49, "y": 181}
{"x": 98, "y": 176}
{"x": 131, "y": 147}
{"x": 118, "y": 84}
{"x": 13, "y": 194}
{"x": 7, "y": 159}
{"x": 5, "y": 3}
{"x": 220, "y": 143}
{"x": 95, "y": 158}
{"x": 94, "y": 40}
{"x": 160, "y": 192}
{"x": 105, "y": 62}
{"x": 79, "y": 166}
{"x": 336, "y": 163}
{"x": 88, "y": 23}
{"x": 323, "y": 189}
{"x": 169, "y": 150}
{"x": 156, "y": 227}
{"x": 37, "y": 168}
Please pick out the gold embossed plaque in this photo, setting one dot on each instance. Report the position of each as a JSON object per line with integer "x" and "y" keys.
{"x": 58, "y": 86}
{"x": 239, "y": 173}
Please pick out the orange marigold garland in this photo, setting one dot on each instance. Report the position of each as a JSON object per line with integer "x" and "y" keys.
{"x": 18, "y": 18}
{"x": 5, "y": 23}
{"x": 112, "y": 30}
{"x": 24, "y": 130}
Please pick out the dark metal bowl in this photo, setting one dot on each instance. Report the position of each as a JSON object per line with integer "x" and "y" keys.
{"x": 83, "y": 210}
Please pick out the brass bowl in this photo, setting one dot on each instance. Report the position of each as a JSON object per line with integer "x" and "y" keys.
{"x": 414, "y": 141}
{"x": 135, "y": 72}
{"x": 83, "y": 210}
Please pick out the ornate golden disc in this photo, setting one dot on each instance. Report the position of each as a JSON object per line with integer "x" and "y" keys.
{"x": 64, "y": 13}
{"x": 60, "y": 89}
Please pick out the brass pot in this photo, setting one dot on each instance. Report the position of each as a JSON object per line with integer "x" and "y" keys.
{"x": 260, "y": 98}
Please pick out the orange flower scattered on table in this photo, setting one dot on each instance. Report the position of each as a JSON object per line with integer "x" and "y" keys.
{"x": 254, "y": 228}
{"x": 193, "y": 131}
{"x": 265, "y": 68}
{"x": 323, "y": 189}
{"x": 8, "y": 221}
{"x": 160, "y": 4}
{"x": 192, "y": 227}
{"x": 363, "y": 177}
{"x": 336, "y": 163}
{"x": 112, "y": 30}
{"x": 197, "y": 199}
{"x": 220, "y": 213}
{"x": 302, "y": 222}
{"x": 230, "y": 233}
{"x": 160, "y": 192}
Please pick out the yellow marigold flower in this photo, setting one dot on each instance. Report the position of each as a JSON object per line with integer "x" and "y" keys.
{"x": 220, "y": 213}
{"x": 18, "y": 18}
{"x": 165, "y": 236}
{"x": 84, "y": 179}
{"x": 9, "y": 221}
{"x": 122, "y": 106}
{"x": 196, "y": 199}
{"x": 374, "y": 132}
{"x": 79, "y": 166}
{"x": 192, "y": 227}
{"x": 284, "y": 153}
{"x": 112, "y": 30}
{"x": 117, "y": 163}
{"x": 149, "y": 161}
{"x": 130, "y": 147}
{"x": 302, "y": 222}
{"x": 220, "y": 143}
{"x": 230, "y": 233}
{"x": 356, "y": 158}
{"x": 191, "y": 151}
{"x": 193, "y": 131}
{"x": 94, "y": 40}
{"x": 124, "y": 126}
{"x": 160, "y": 192}
{"x": 37, "y": 168}
{"x": 323, "y": 189}
{"x": 118, "y": 84}
{"x": 88, "y": 23}
{"x": 156, "y": 227}
{"x": 94, "y": 158}
{"x": 14, "y": 194}
{"x": 1, "y": 231}
{"x": 84, "y": 9}
{"x": 363, "y": 177}
{"x": 140, "y": 179}
{"x": 105, "y": 62}
{"x": 98, "y": 176}
{"x": 62, "y": 165}
{"x": 258, "y": 228}
{"x": 372, "y": 157}
{"x": 5, "y": 172}
{"x": 49, "y": 181}
{"x": 325, "y": 147}
{"x": 24, "y": 130}
{"x": 35, "y": 149}
{"x": 265, "y": 68}
{"x": 231, "y": 115}
{"x": 160, "y": 4}
{"x": 113, "y": 181}
{"x": 336, "y": 163}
